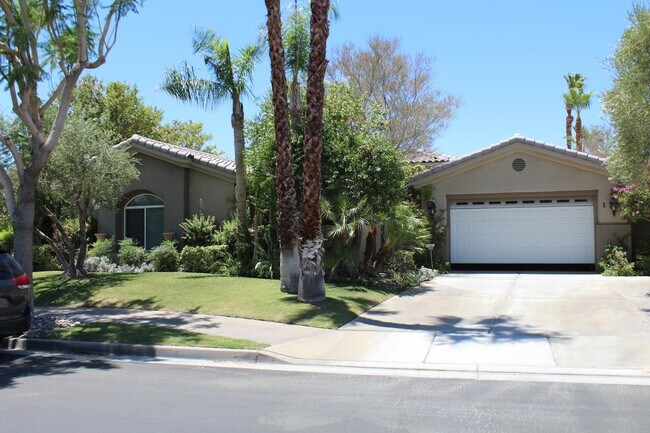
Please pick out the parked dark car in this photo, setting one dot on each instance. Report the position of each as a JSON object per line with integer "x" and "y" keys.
{"x": 15, "y": 310}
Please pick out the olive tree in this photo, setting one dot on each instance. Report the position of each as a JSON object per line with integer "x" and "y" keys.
{"x": 85, "y": 173}
{"x": 47, "y": 44}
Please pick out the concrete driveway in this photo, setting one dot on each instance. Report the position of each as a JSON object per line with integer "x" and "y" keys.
{"x": 515, "y": 319}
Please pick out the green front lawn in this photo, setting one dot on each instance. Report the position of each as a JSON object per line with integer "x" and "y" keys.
{"x": 114, "y": 332}
{"x": 250, "y": 298}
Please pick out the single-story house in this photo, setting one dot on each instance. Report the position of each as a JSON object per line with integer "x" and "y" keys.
{"x": 173, "y": 181}
{"x": 522, "y": 202}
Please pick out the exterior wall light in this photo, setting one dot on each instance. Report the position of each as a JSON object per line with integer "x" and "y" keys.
{"x": 431, "y": 208}
{"x": 613, "y": 205}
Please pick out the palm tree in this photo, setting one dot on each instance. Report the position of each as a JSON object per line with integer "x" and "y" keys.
{"x": 296, "y": 37}
{"x": 573, "y": 80}
{"x": 289, "y": 250}
{"x": 581, "y": 100}
{"x": 230, "y": 79}
{"x": 312, "y": 281}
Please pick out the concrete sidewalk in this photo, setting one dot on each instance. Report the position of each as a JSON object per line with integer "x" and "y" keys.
{"x": 255, "y": 330}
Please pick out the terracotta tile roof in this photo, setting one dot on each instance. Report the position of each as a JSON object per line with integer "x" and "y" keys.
{"x": 517, "y": 138}
{"x": 213, "y": 161}
{"x": 428, "y": 158}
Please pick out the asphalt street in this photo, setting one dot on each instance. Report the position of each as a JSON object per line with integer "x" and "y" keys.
{"x": 50, "y": 394}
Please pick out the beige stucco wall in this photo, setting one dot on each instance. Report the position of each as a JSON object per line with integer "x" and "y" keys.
{"x": 168, "y": 181}
{"x": 217, "y": 195}
{"x": 547, "y": 174}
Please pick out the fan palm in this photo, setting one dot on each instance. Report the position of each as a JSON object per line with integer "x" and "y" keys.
{"x": 230, "y": 80}
{"x": 581, "y": 100}
{"x": 312, "y": 283}
{"x": 289, "y": 252}
{"x": 573, "y": 81}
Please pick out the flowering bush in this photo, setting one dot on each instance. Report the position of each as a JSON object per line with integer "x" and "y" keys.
{"x": 634, "y": 201}
{"x": 427, "y": 274}
{"x": 103, "y": 264}
{"x": 615, "y": 263}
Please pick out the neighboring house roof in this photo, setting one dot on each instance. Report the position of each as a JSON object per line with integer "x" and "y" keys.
{"x": 428, "y": 158}
{"x": 517, "y": 138}
{"x": 183, "y": 154}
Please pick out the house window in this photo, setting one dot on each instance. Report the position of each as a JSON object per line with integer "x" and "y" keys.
{"x": 144, "y": 218}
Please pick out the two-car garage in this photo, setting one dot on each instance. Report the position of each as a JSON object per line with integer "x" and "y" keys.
{"x": 522, "y": 202}
{"x": 520, "y": 231}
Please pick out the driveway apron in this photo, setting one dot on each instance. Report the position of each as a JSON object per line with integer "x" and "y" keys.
{"x": 514, "y": 319}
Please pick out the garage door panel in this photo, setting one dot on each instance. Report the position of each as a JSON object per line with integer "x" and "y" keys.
{"x": 523, "y": 234}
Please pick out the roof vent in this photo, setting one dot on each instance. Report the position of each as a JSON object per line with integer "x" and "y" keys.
{"x": 518, "y": 164}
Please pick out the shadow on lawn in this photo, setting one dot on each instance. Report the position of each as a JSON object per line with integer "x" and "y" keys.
{"x": 335, "y": 310}
{"x": 13, "y": 367}
{"x": 53, "y": 291}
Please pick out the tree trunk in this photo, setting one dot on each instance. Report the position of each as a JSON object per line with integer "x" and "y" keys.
{"x": 290, "y": 269}
{"x": 23, "y": 226}
{"x": 569, "y": 124}
{"x": 285, "y": 183}
{"x": 295, "y": 105}
{"x": 312, "y": 275}
{"x": 237, "y": 122}
{"x": 578, "y": 129}
{"x": 83, "y": 244}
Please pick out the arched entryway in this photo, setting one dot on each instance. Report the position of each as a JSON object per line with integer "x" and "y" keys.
{"x": 144, "y": 220}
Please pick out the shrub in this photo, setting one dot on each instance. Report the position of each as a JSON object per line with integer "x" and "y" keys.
{"x": 164, "y": 258}
{"x": 102, "y": 248}
{"x": 402, "y": 261}
{"x": 103, "y": 264}
{"x": 615, "y": 262}
{"x": 407, "y": 279}
{"x": 426, "y": 274}
{"x": 7, "y": 240}
{"x": 227, "y": 235}
{"x": 130, "y": 253}
{"x": 44, "y": 259}
{"x": 643, "y": 263}
{"x": 199, "y": 230}
{"x": 214, "y": 259}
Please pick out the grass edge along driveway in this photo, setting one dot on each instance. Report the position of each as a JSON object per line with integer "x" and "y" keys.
{"x": 249, "y": 298}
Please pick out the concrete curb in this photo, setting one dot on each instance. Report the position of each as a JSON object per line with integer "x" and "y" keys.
{"x": 139, "y": 350}
{"x": 273, "y": 360}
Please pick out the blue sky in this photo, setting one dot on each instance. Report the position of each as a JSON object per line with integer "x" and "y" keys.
{"x": 505, "y": 60}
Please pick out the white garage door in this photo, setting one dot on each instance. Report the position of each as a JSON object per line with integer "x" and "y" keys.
{"x": 558, "y": 231}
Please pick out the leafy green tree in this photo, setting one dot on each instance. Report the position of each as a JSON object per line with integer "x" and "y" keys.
{"x": 120, "y": 110}
{"x": 187, "y": 134}
{"x": 627, "y": 103}
{"x": 47, "y": 43}
{"x": 85, "y": 173}
{"x": 230, "y": 80}
{"x": 359, "y": 164}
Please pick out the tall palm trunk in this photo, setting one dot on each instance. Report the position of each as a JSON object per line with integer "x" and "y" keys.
{"x": 237, "y": 122}
{"x": 569, "y": 124}
{"x": 289, "y": 251}
{"x": 312, "y": 278}
{"x": 295, "y": 104}
{"x": 578, "y": 130}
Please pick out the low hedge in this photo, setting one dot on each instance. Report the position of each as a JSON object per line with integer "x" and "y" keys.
{"x": 212, "y": 259}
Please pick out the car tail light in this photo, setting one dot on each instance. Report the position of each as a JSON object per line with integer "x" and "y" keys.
{"x": 22, "y": 281}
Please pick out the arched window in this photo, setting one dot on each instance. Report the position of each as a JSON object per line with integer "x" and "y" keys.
{"x": 144, "y": 220}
